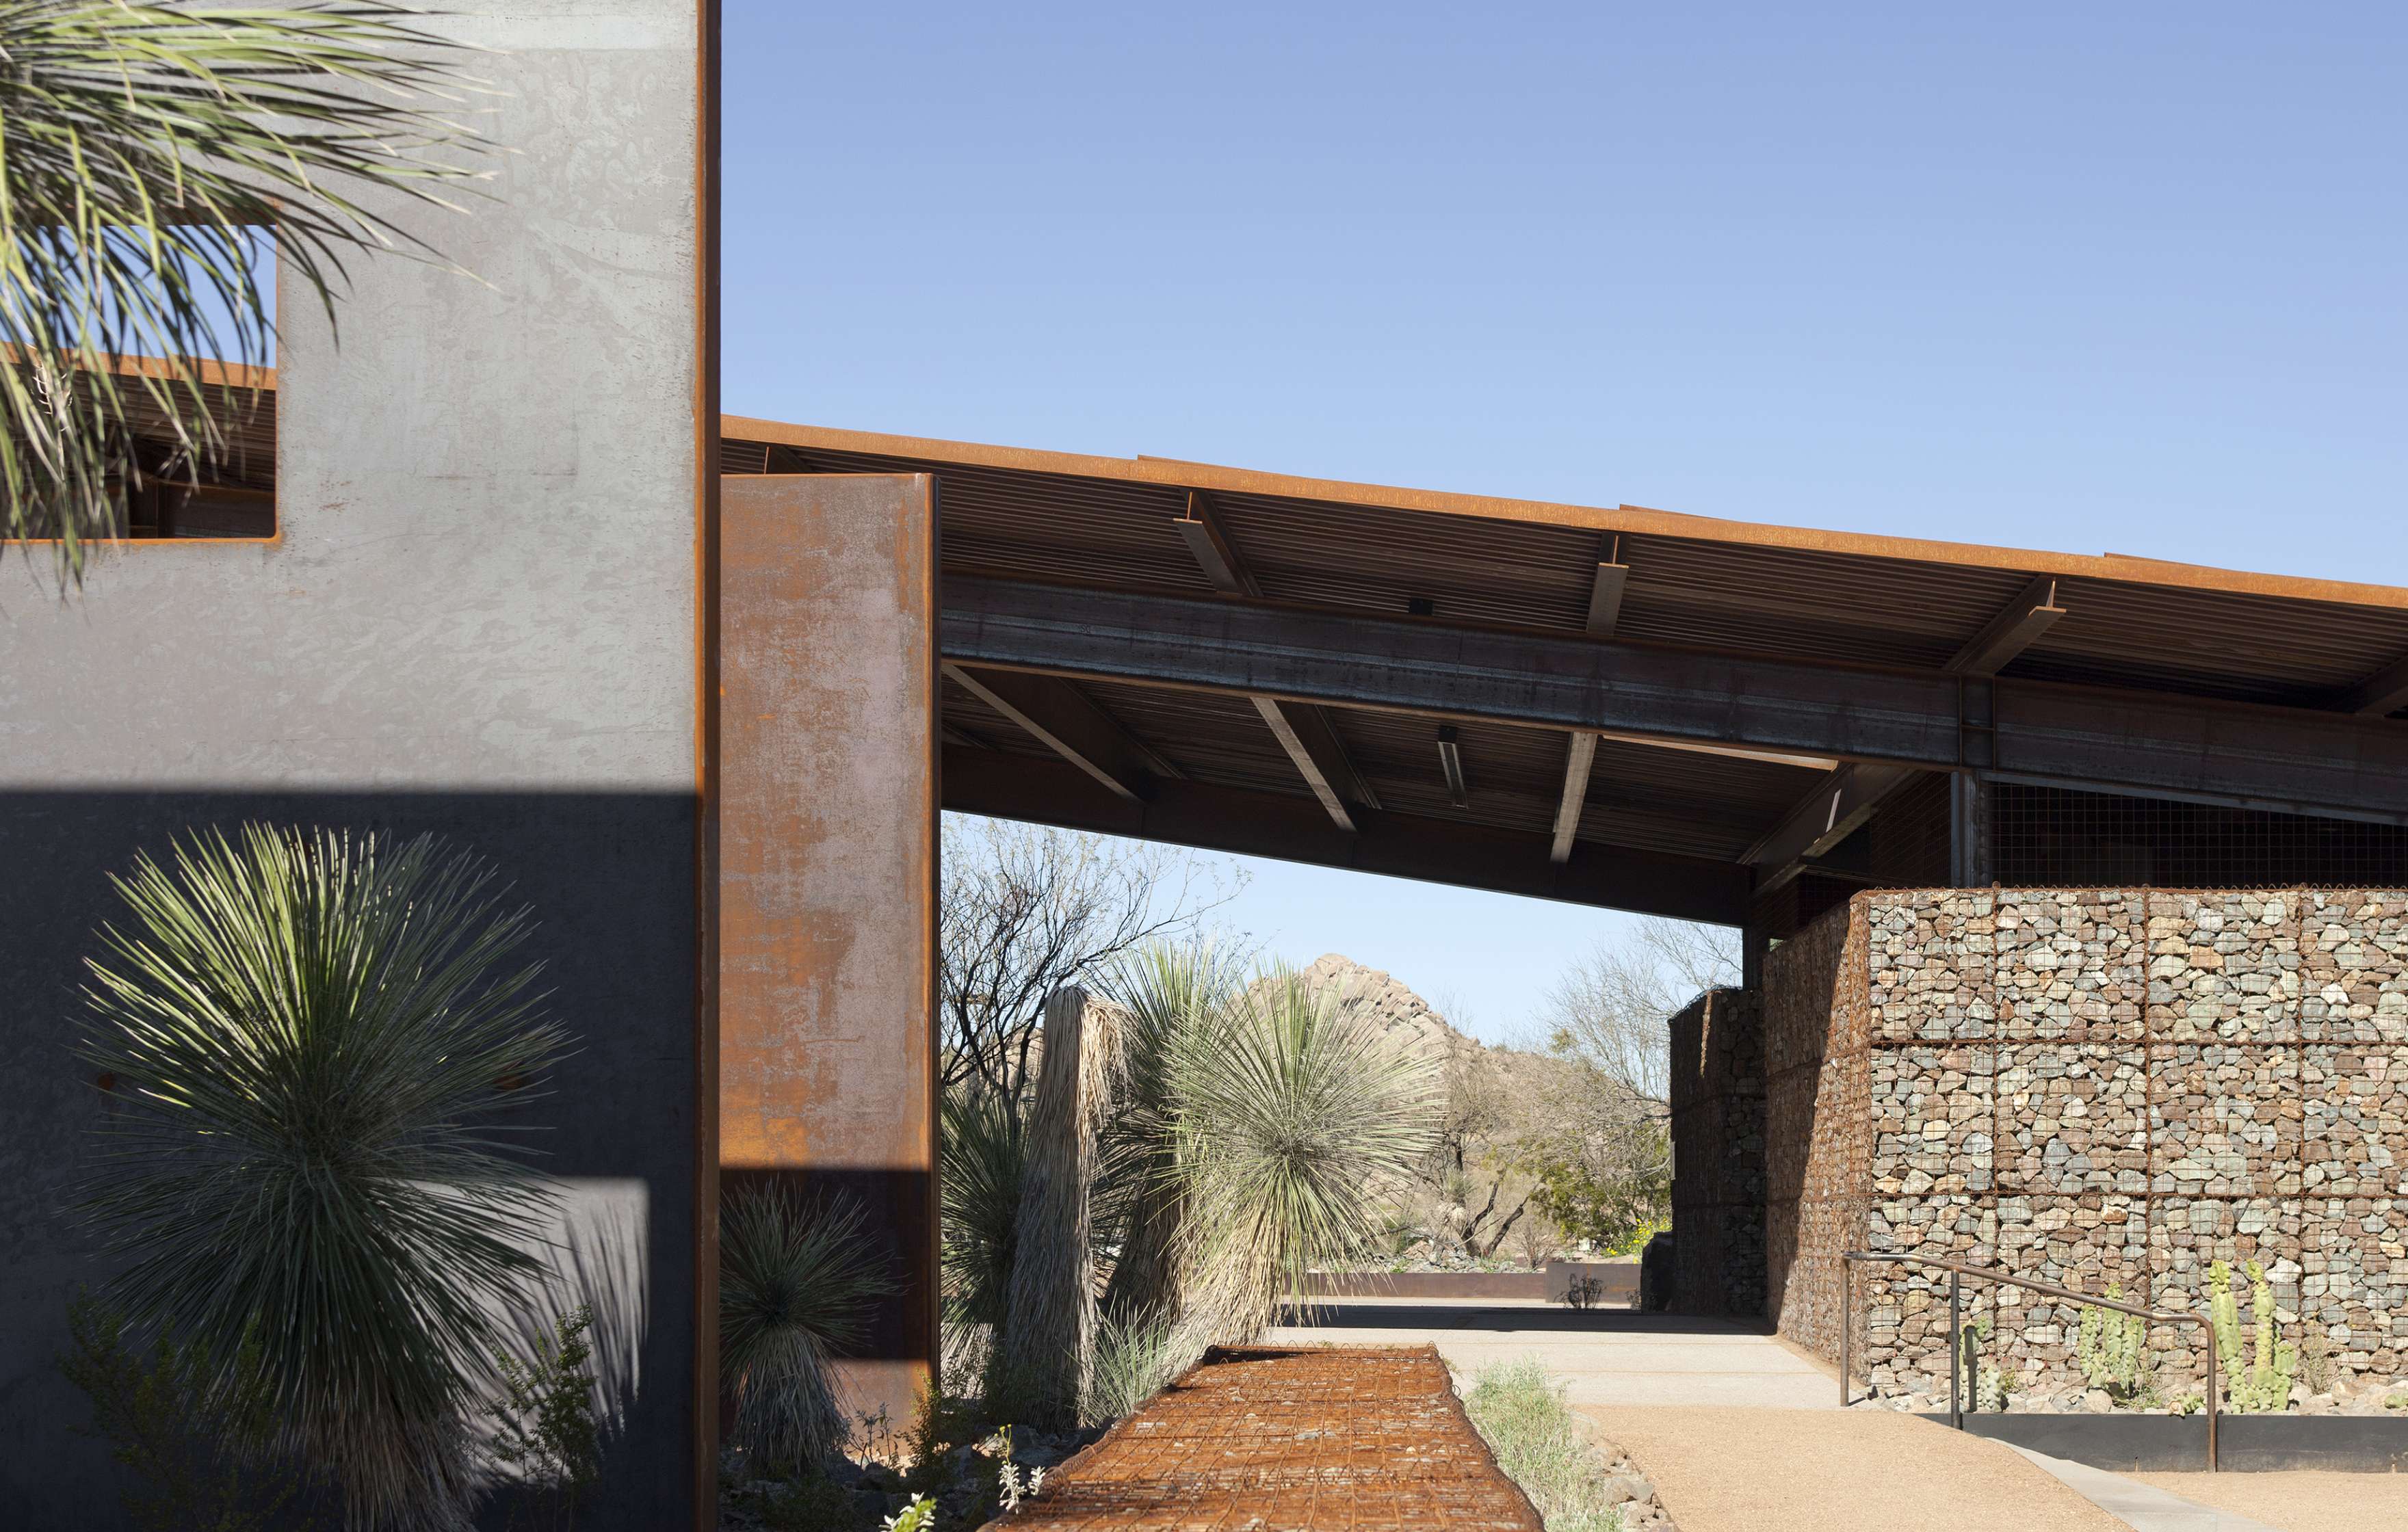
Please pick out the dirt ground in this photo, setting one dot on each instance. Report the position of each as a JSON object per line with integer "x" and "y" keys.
{"x": 1829, "y": 1470}
{"x": 2299, "y": 1502}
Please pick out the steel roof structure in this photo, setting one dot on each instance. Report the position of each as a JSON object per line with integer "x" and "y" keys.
{"x": 1612, "y": 705}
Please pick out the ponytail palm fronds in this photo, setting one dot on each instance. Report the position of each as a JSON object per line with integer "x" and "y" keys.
{"x": 305, "y": 1036}
{"x": 143, "y": 150}
{"x": 1299, "y": 1120}
{"x": 797, "y": 1279}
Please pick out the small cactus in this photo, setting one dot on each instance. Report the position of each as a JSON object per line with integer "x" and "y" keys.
{"x": 2260, "y": 1384}
{"x": 2112, "y": 1350}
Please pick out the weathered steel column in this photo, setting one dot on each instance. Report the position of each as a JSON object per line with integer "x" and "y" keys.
{"x": 1969, "y": 831}
{"x": 827, "y": 870}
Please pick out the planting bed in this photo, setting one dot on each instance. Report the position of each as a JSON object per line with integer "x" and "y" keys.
{"x": 1361, "y": 1438}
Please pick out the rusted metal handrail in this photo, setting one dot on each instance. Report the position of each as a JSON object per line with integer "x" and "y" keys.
{"x": 1956, "y": 1329}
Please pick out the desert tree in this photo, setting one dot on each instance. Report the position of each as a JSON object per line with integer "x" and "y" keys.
{"x": 1604, "y": 1171}
{"x": 1608, "y": 1011}
{"x": 1027, "y": 910}
{"x": 311, "y": 1043}
{"x": 144, "y": 151}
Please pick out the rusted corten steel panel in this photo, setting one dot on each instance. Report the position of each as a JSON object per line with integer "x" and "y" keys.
{"x": 828, "y": 869}
{"x": 1365, "y": 1438}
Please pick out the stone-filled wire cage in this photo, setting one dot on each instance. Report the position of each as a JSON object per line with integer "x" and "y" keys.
{"x": 1718, "y": 1155}
{"x": 2091, "y": 1087}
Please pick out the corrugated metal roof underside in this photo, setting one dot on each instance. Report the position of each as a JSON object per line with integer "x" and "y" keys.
{"x": 1804, "y": 603}
{"x": 1788, "y": 602}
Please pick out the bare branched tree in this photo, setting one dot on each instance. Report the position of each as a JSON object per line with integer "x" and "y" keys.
{"x": 1608, "y": 1011}
{"x": 1027, "y": 910}
{"x": 1606, "y": 1172}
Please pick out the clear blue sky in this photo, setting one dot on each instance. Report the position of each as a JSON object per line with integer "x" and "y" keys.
{"x": 2090, "y": 278}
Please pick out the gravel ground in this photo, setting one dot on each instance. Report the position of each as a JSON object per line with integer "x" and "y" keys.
{"x": 2299, "y": 1502}
{"x": 1804, "y": 1470}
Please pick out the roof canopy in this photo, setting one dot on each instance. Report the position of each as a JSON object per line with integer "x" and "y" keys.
{"x": 1618, "y": 706}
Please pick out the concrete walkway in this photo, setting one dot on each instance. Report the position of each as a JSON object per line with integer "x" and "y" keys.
{"x": 2142, "y": 1507}
{"x": 1608, "y": 1357}
{"x": 1829, "y": 1470}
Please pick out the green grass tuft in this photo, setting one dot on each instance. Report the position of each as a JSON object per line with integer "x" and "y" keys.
{"x": 1519, "y": 1409}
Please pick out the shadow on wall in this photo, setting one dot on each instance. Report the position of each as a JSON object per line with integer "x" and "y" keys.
{"x": 610, "y": 878}
{"x": 597, "y": 1265}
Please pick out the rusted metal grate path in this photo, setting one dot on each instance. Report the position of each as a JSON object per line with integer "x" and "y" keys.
{"x": 1269, "y": 1440}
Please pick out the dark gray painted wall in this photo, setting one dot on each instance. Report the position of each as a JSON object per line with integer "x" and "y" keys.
{"x": 479, "y": 619}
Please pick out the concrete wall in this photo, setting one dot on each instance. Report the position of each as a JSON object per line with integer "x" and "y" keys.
{"x": 479, "y": 618}
{"x": 2097, "y": 1086}
{"x": 1718, "y": 1149}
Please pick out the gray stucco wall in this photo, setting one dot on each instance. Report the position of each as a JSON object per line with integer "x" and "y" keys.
{"x": 479, "y": 618}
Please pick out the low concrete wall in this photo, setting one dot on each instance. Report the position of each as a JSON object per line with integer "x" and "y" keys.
{"x": 2178, "y": 1444}
{"x": 1618, "y": 1279}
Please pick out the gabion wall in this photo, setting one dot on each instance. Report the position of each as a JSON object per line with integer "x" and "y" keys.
{"x": 2091, "y": 1087}
{"x": 1817, "y": 1137}
{"x": 1718, "y": 1155}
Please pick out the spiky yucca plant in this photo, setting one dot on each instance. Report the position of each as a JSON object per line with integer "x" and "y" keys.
{"x": 1296, "y": 1120}
{"x": 307, "y": 1036}
{"x": 143, "y": 149}
{"x": 1171, "y": 993}
{"x": 797, "y": 1279}
{"x": 982, "y": 1152}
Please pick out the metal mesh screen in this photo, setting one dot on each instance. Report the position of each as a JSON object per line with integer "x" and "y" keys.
{"x": 2056, "y": 837}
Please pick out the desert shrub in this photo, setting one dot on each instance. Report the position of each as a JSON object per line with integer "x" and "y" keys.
{"x": 309, "y": 1035}
{"x": 195, "y": 1437}
{"x": 2260, "y": 1383}
{"x": 797, "y": 1279}
{"x": 1519, "y": 1410}
{"x": 2112, "y": 1349}
{"x": 545, "y": 1430}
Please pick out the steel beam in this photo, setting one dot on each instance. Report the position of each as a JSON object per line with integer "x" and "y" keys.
{"x": 2296, "y": 759}
{"x": 1969, "y": 831}
{"x": 2018, "y": 626}
{"x": 1605, "y": 594}
{"x": 1310, "y": 738}
{"x": 1577, "y": 762}
{"x": 1450, "y": 766}
{"x": 1822, "y": 819}
{"x": 1068, "y": 722}
{"x": 1210, "y": 546}
{"x": 1293, "y": 827}
{"x": 2380, "y": 695}
{"x": 1319, "y": 758}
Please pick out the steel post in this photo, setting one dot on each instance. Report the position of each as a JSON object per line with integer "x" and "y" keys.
{"x": 1955, "y": 1352}
{"x": 2212, "y": 1372}
{"x": 1847, "y": 1325}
